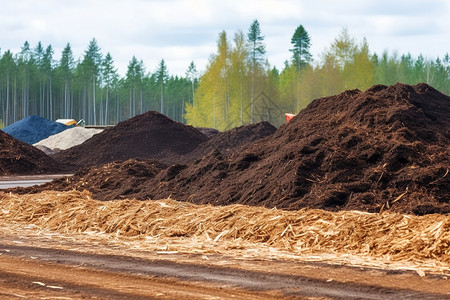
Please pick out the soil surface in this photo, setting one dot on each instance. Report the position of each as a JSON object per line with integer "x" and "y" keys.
{"x": 20, "y": 158}
{"x": 209, "y": 132}
{"x": 110, "y": 181}
{"x": 383, "y": 149}
{"x": 231, "y": 141}
{"x": 32, "y": 268}
{"x": 147, "y": 136}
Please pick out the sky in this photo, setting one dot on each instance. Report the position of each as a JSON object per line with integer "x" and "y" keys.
{"x": 181, "y": 31}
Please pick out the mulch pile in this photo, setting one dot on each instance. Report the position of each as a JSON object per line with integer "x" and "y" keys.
{"x": 33, "y": 129}
{"x": 230, "y": 141}
{"x": 383, "y": 149}
{"x": 147, "y": 136}
{"x": 19, "y": 158}
{"x": 209, "y": 132}
{"x": 110, "y": 181}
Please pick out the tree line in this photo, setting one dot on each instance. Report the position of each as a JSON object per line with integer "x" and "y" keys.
{"x": 238, "y": 86}
{"x": 32, "y": 82}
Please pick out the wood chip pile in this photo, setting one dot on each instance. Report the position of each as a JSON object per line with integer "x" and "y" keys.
{"x": 392, "y": 235}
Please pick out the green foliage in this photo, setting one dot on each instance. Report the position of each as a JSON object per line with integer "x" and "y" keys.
{"x": 301, "y": 43}
{"x": 256, "y": 51}
{"x": 191, "y": 75}
{"x": 237, "y": 87}
{"x": 162, "y": 74}
{"x": 256, "y": 46}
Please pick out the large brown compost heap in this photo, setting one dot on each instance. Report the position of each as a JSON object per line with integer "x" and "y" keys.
{"x": 20, "y": 158}
{"x": 383, "y": 149}
{"x": 147, "y": 136}
{"x": 230, "y": 141}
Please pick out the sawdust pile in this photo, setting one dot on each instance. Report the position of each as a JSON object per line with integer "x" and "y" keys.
{"x": 392, "y": 235}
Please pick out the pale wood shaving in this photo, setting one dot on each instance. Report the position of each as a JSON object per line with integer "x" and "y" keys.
{"x": 391, "y": 235}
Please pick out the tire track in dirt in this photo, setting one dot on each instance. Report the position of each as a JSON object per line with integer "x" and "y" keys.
{"x": 226, "y": 278}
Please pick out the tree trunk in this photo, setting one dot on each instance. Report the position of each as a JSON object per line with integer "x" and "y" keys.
{"x": 66, "y": 99}
{"x": 106, "y": 105}
{"x": 93, "y": 97}
{"x": 50, "y": 98}
{"x": 162, "y": 98}
{"x": 15, "y": 99}
{"x": 7, "y": 98}
{"x": 140, "y": 92}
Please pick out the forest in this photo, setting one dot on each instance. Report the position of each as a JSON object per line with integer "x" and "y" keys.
{"x": 238, "y": 86}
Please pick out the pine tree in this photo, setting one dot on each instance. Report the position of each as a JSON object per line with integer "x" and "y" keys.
{"x": 9, "y": 68}
{"x": 24, "y": 62}
{"x": 191, "y": 75}
{"x": 48, "y": 71}
{"x": 238, "y": 77}
{"x": 257, "y": 50}
{"x": 301, "y": 44}
{"x": 38, "y": 55}
{"x": 110, "y": 78}
{"x": 66, "y": 69}
{"x": 92, "y": 64}
{"x": 162, "y": 74}
{"x": 132, "y": 78}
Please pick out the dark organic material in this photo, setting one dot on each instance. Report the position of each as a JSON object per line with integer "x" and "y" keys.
{"x": 19, "y": 158}
{"x": 147, "y": 136}
{"x": 383, "y": 149}
{"x": 230, "y": 141}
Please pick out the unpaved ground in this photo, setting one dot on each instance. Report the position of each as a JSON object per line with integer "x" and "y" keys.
{"x": 12, "y": 181}
{"x": 37, "y": 263}
{"x": 34, "y": 266}
{"x": 25, "y": 278}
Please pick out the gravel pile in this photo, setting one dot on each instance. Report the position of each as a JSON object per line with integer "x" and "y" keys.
{"x": 68, "y": 138}
{"x": 33, "y": 129}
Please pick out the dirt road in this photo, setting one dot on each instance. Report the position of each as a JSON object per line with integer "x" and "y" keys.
{"x": 32, "y": 269}
{"x": 12, "y": 181}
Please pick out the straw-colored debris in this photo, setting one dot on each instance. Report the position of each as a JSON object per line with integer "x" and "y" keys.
{"x": 396, "y": 236}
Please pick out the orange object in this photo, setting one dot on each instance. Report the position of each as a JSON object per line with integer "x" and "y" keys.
{"x": 288, "y": 116}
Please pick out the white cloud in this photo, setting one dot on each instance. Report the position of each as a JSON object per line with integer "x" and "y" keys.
{"x": 184, "y": 30}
